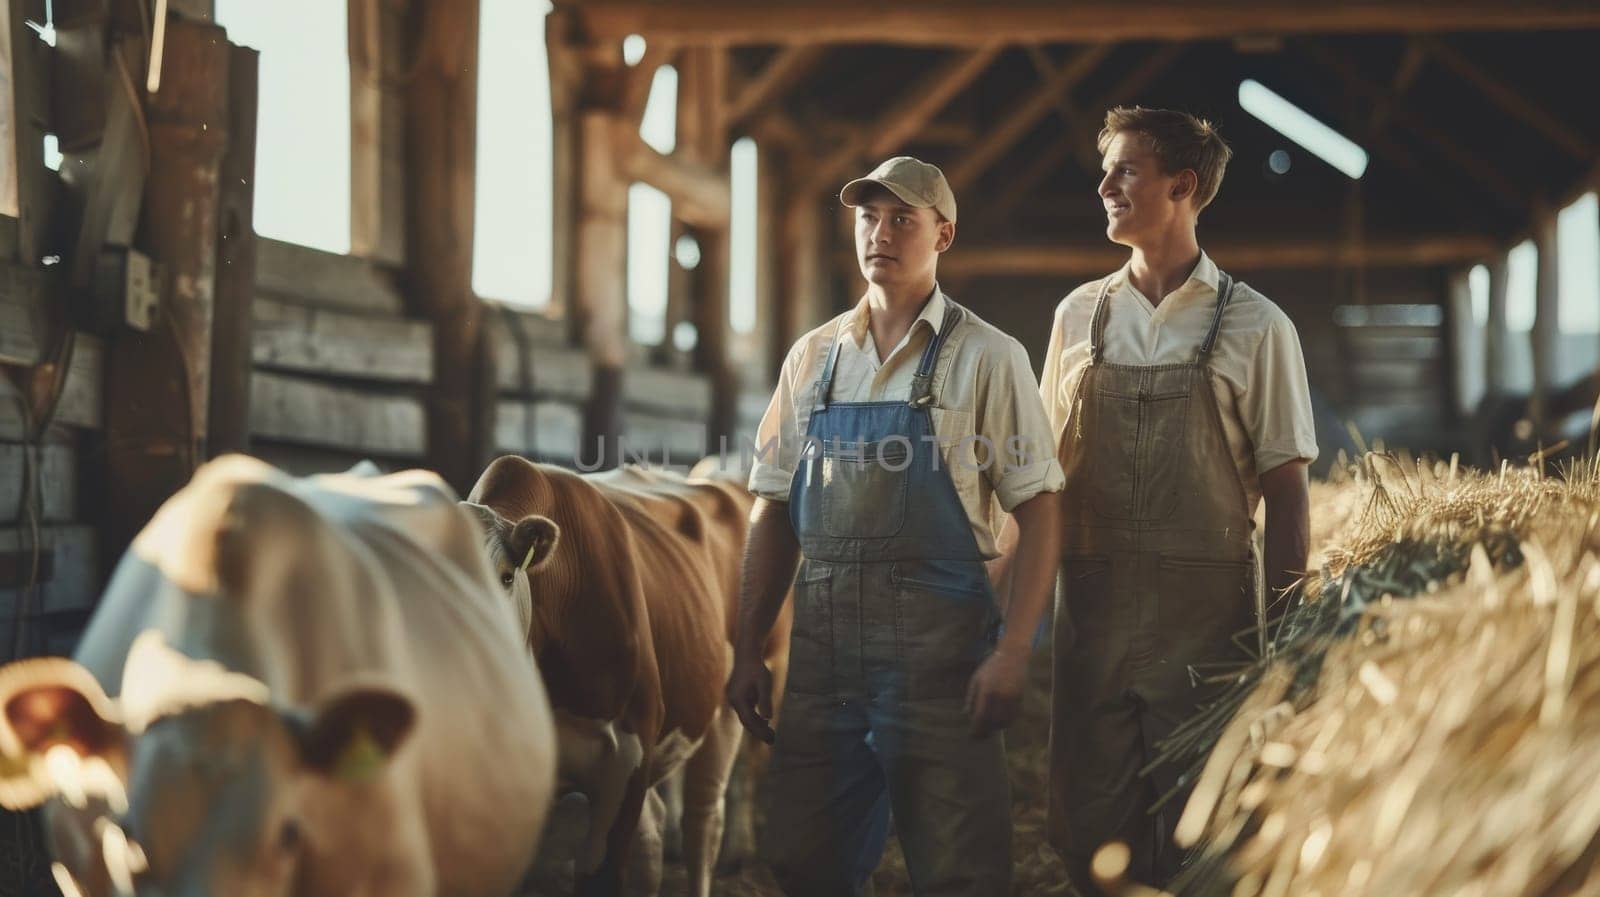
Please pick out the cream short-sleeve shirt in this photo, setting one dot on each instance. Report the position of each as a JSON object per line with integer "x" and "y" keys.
{"x": 988, "y": 398}
{"x": 1259, "y": 371}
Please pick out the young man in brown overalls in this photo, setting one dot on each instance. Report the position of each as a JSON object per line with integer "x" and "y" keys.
{"x": 1179, "y": 400}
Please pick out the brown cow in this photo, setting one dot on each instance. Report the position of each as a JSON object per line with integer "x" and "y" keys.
{"x": 630, "y": 581}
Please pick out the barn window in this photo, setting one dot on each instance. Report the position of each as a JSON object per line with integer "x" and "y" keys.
{"x": 512, "y": 252}
{"x": 650, "y": 246}
{"x": 302, "y": 188}
{"x": 1303, "y": 128}
{"x": 1578, "y": 260}
{"x": 742, "y": 237}
{"x": 1522, "y": 287}
{"x": 1478, "y": 289}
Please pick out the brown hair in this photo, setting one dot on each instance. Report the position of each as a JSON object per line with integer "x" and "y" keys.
{"x": 1179, "y": 140}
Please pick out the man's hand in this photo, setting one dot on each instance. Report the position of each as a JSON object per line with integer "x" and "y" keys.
{"x": 994, "y": 696}
{"x": 750, "y": 694}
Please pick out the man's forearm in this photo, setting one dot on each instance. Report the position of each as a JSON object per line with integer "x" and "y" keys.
{"x": 1288, "y": 531}
{"x": 1032, "y": 569}
{"x": 771, "y": 554}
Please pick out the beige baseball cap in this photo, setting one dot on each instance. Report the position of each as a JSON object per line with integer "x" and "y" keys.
{"x": 918, "y": 184}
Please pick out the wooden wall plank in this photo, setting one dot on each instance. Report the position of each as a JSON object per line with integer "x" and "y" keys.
{"x": 58, "y": 475}
{"x": 684, "y": 394}
{"x": 645, "y": 435}
{"x": 296, "y": 337}
{"x": 307, "y": 412}
{"x": 323, "y": 278}
{"x": 25, "y": 294}
{"x": 547, "y": 430}
{"x": 74, "y": 581}
{"x": 81, "y": 399}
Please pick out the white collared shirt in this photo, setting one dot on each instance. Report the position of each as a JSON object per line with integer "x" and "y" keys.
{"x": 988, "y": 393}
{"x": 1259, "y": 370}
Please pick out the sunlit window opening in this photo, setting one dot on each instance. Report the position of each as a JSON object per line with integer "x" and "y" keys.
{"x": 1300, "y": 126}
{"x": 512, "y": 223}
{"x": 649, "y": 231}
{"x": 633, "y": 47}
{"x": 742, "y": 238}
{"x": 1522, "y": 287}
{"x": 659, "y": 124}
{"x": 1578, "y": 265}
{"x": 1478, "y": 289}
{"x": 302, "y": 188}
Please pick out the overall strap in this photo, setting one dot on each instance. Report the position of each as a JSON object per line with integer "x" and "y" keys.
{"x": 824, "y": 389}
{"x": 1224, "y": 294}
{"x": 922, "y": 381}
{"x": 1097, "y": 322}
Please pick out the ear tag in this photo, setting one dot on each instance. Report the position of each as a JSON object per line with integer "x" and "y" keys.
{"x": 361, "y": 759}
{"x": 528, "y": 558}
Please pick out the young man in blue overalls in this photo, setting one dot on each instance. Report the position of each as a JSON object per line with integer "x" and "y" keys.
{"x": 894, "y": 429}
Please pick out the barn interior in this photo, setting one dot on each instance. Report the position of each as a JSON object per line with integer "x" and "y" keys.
{"x": 430, "y": 232}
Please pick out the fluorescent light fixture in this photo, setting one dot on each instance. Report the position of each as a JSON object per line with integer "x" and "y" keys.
{"x": 1296, "y": 124}
{"x": 659, "y": 124}
{"x": 742, "y": 237}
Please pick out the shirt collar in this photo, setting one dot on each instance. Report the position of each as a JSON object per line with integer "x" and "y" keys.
{"x": 1204, "y": 278}
{"x": 932, "y": 312}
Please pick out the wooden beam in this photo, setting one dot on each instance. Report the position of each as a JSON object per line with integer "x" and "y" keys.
{"x": 441, "y": 138}
{"x": 311, "y": 412}
{"x": 969, "y": 22}
{"x": 913, "y": 109}
{"x": 700, "y": 196}
{"x": 1510, "y": 101}
{"x": 1017, "y": 120}
{"x": 786, "y": 69}
{"x": 1405, "y": 75}
{"x": 1258, "y": 255}
{"x": 1496, "y": 333}
{"x": 1483, "y": 174}
{"x": 305, "y": 339}
{"x": 1075, "y": 141}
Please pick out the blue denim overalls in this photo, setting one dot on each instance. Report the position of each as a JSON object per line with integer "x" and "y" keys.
{"x": 893, "y": 614}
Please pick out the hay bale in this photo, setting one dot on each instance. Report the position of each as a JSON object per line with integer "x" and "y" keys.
{"x": 1431, "y": 722}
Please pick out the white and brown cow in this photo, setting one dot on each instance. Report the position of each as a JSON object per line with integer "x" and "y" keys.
{"x": 306, "y": 687}
{"x": 630, "y": 580}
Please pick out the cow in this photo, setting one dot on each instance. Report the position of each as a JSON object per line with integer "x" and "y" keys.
{"x": 306, "y": 687}
{"x": 632, "y": 581}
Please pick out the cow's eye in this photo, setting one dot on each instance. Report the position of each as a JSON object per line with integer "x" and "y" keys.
{"x": 506, "y": 579}
{"x": 289, "y": 835}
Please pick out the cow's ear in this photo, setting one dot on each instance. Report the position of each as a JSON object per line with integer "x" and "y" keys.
{"x": 485, "y": 515}
{"x": 355, "y": 734}
{"x": 533, "y": 541}
{"x": 46, "y": 703}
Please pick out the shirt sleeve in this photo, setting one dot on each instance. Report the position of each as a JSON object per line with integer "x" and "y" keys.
{"x": 1012, "y": 420}
{"x": 1276, "y": 405}
{"x": 1050, "y": 381}
{"x": 779, "y": 436}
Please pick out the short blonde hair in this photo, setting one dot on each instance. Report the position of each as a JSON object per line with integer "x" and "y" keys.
{"x": 1179, "y": 140}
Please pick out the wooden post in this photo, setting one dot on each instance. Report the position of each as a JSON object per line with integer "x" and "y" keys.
{"x": 802, "y": 267}
{"x": 1495, "y": 333}
{"x": 157, "y": 388}
{"x": 1546, "y": 329}
{"x": 566, "y": 75}
{"x": 377, "y": 143}
{"x": 441, "y": 139}
{"x": 30, "y": 72}
{"x": 236, "y": 262}
{"x": 600, "y": 296}
{"x": 701, "y": 119}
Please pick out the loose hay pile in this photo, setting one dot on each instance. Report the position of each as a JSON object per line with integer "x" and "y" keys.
{"x": 1430, "y": 722}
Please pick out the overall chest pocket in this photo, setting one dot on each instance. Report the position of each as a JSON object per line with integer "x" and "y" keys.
{"x": 1144, "y": 429}
{"x": 864, "y": 487}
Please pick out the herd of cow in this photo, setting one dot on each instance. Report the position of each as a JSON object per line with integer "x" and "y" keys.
{"x": 354, "y": 684}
